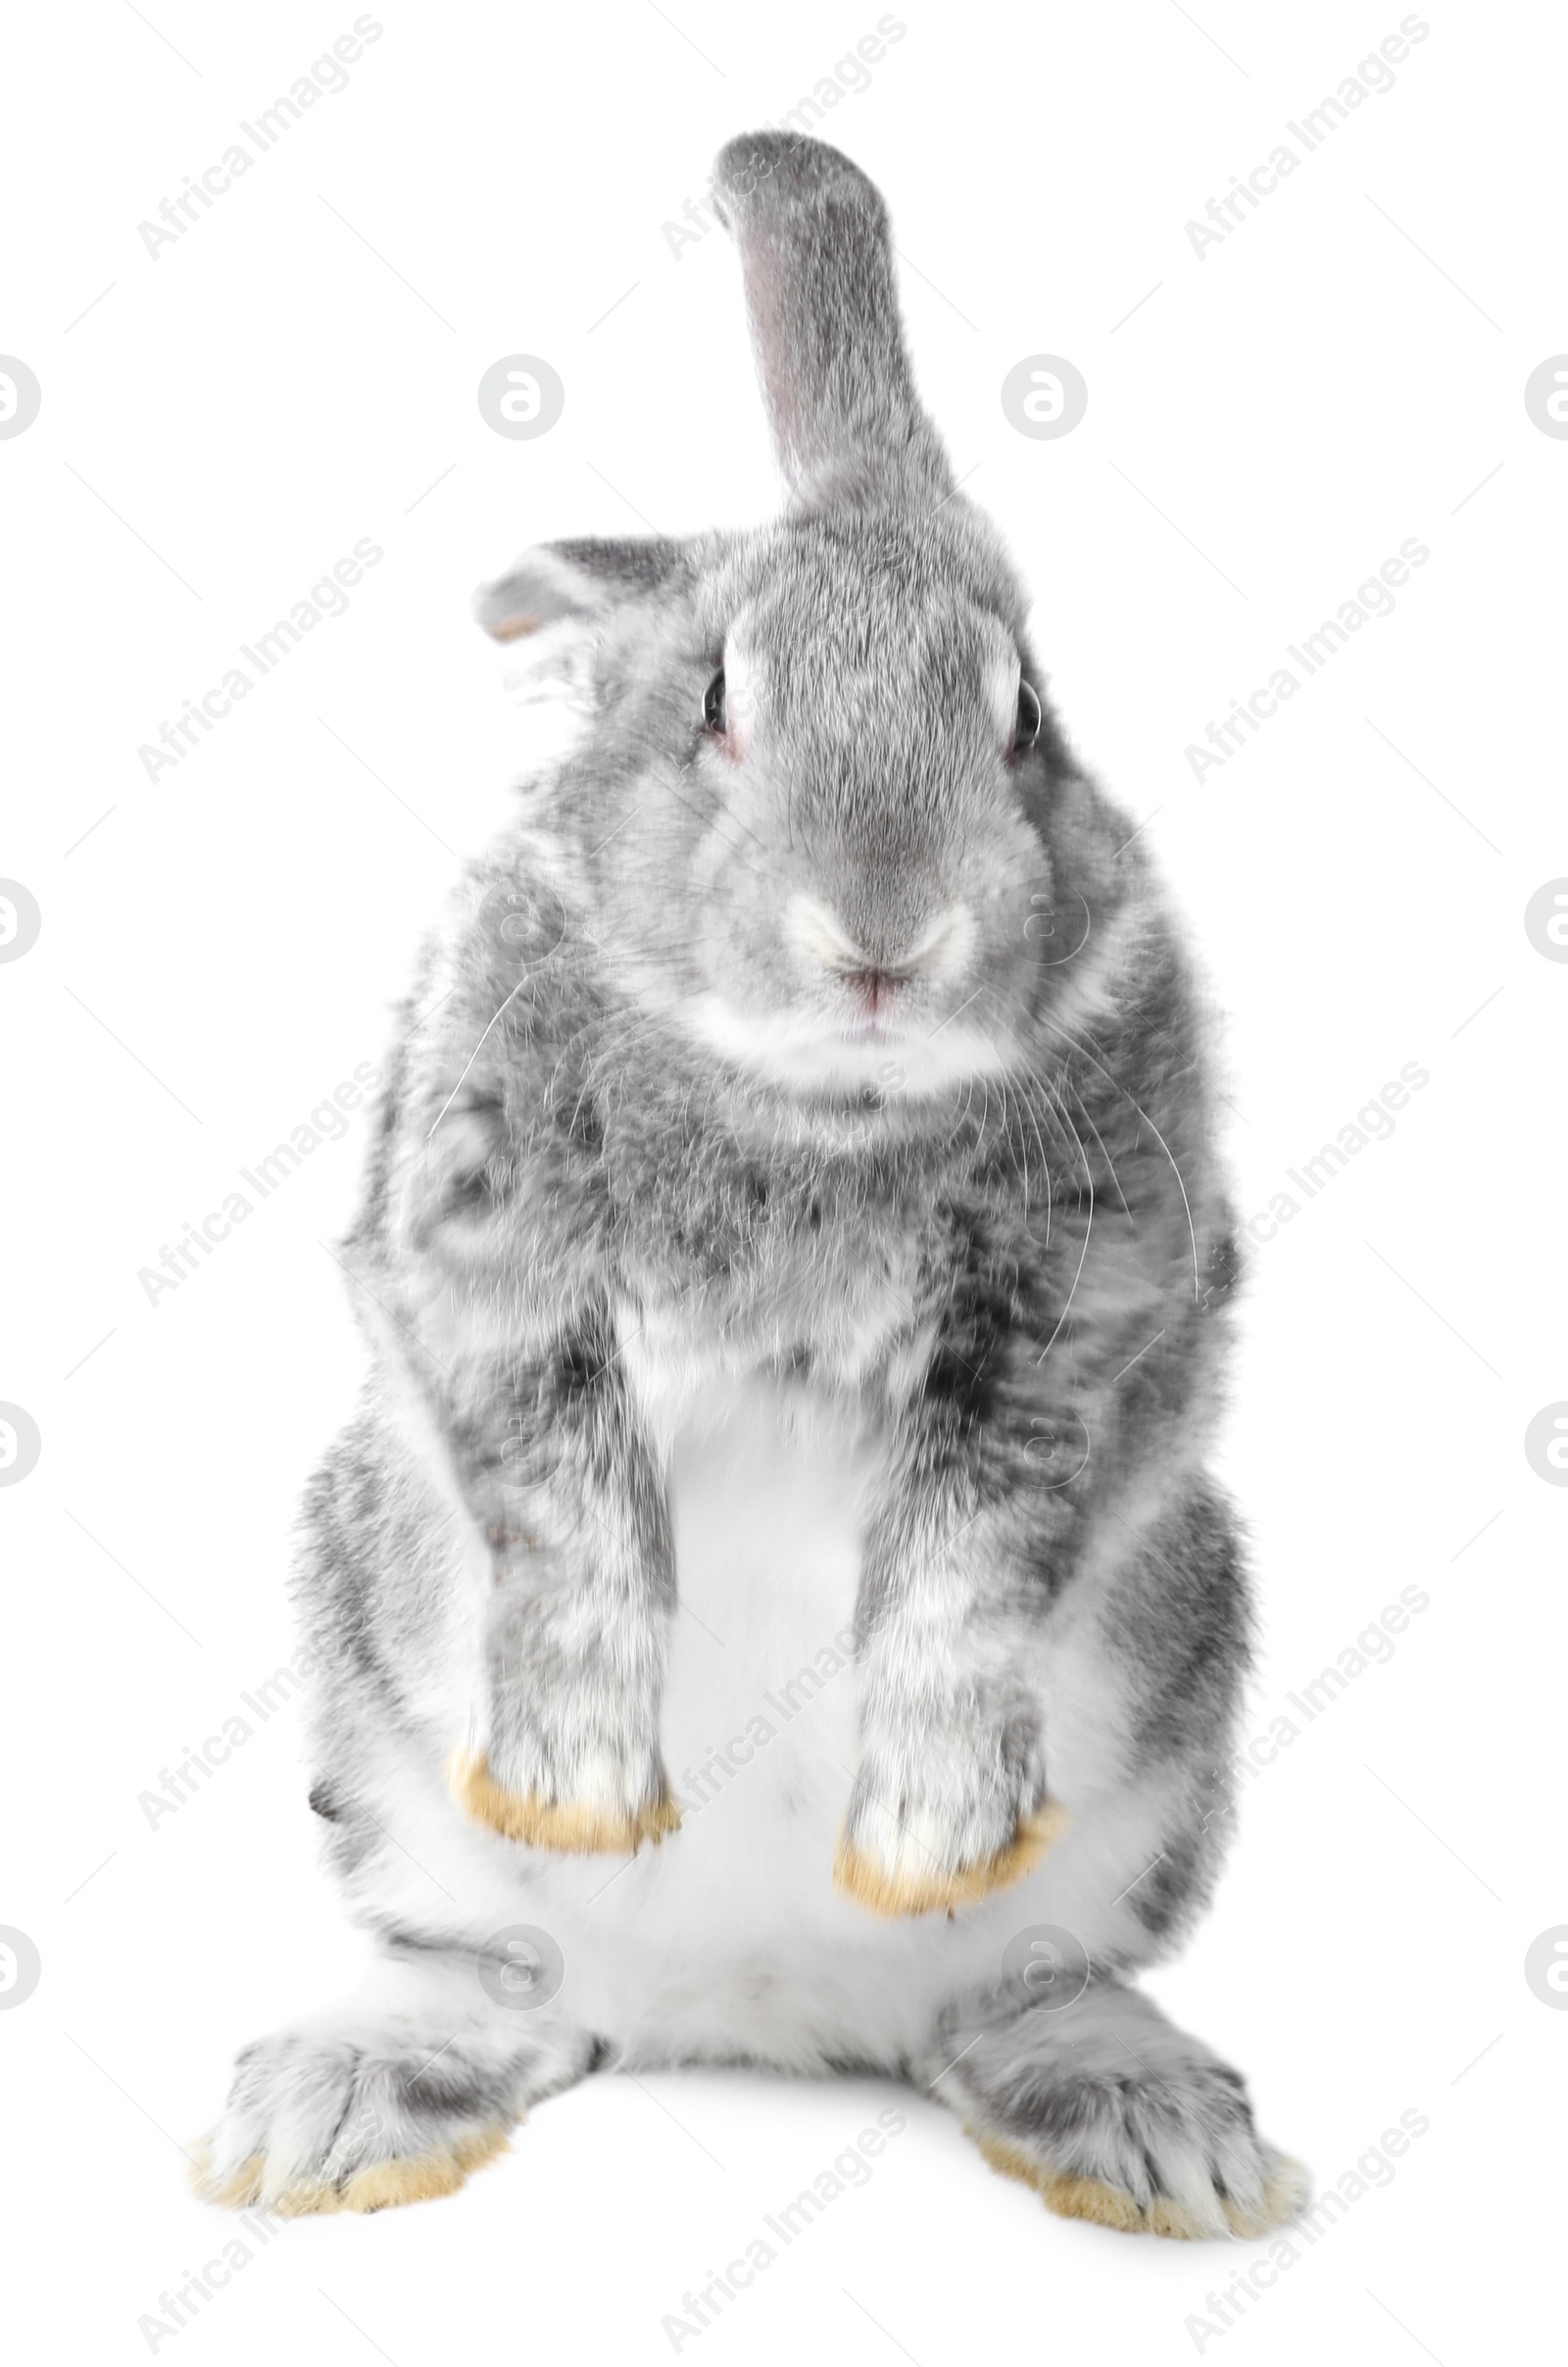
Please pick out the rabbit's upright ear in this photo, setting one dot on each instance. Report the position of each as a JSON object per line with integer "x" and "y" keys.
{"x": 571, "y": 581}
{"x": 817, "y": 259}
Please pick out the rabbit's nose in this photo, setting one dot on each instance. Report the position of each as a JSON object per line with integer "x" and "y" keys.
{"x": 874, "y": 959}
{"x": 874, "y": 989}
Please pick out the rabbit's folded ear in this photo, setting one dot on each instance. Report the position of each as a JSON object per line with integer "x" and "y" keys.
{"x": 562, "y": 582}
{"x": 817, "y": 259}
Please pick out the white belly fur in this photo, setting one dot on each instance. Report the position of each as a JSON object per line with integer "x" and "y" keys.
{"x": 728, "y": 1940}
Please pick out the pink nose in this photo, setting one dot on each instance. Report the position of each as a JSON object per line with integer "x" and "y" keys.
{"x": 874, "y": 989}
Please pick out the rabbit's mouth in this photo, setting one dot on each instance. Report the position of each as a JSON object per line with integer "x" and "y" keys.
{"x": 889, "y": 1052}
{"x": 874, "y": 1030}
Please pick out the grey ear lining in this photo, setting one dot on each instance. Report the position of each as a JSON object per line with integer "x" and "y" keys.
{"x": 816, "y": 257}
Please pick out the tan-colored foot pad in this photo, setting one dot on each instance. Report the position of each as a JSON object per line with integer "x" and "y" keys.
{"x": 575, "y": 1827}
{"x": 913, "y": 1890}
{"x": 413, "y": 2178}
{"x": 1072, "y": 2197}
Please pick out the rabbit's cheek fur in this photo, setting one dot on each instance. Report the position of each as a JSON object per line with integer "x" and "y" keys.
{"x": 777, "y": 1523}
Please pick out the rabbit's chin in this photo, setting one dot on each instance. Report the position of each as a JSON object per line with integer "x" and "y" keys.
{"x": 799, "y": 1055}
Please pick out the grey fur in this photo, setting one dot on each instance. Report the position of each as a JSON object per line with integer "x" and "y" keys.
{"x": 982, "y": 1266}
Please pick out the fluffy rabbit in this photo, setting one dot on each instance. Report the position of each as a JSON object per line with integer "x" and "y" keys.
{"x": 771, "y": 1605}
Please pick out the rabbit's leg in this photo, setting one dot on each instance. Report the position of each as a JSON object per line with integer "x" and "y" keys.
{"x": 949, "y": 1799}
{"x": 511, "y": 1395}
{"x": 561, "y": 1749}
{"x": 1111, "y": 2113}
{"x": 394, "y": 2097}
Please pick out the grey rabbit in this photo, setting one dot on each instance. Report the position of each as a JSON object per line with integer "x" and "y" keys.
{"x": 770, "y": 1605}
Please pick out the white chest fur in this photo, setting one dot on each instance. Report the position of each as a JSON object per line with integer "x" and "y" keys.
{"x": 759, "y": 1724}
{"x": 729, "y": 1938}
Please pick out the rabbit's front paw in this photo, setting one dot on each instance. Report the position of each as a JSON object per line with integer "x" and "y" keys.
{"x": 608, "y": 1811}
{"x": 901, "y": 1855}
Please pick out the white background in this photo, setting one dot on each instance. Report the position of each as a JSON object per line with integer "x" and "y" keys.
{"x": 298, "y": 372}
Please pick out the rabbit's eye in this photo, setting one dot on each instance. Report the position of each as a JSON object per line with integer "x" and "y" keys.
{"x": 1026, "y": 730}
{"x": 713, "y": 703}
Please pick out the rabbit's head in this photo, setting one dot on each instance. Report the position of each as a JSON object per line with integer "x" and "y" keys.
{"x": 823, "y": 816}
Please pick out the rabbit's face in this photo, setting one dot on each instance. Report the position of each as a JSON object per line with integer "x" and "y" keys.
{"x": 857, "y": 902}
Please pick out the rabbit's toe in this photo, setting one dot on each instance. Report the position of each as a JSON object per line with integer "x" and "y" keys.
{"x": 407, "y": 2178}
{"x": 1274, "y": 2196}
{"x": 903, "y": 1866}
{"x": 615, "y": 1823}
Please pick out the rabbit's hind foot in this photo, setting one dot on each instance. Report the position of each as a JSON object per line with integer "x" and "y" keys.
{"x": 1090, "y": 2096}
{"x": 396, "y": 2096}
